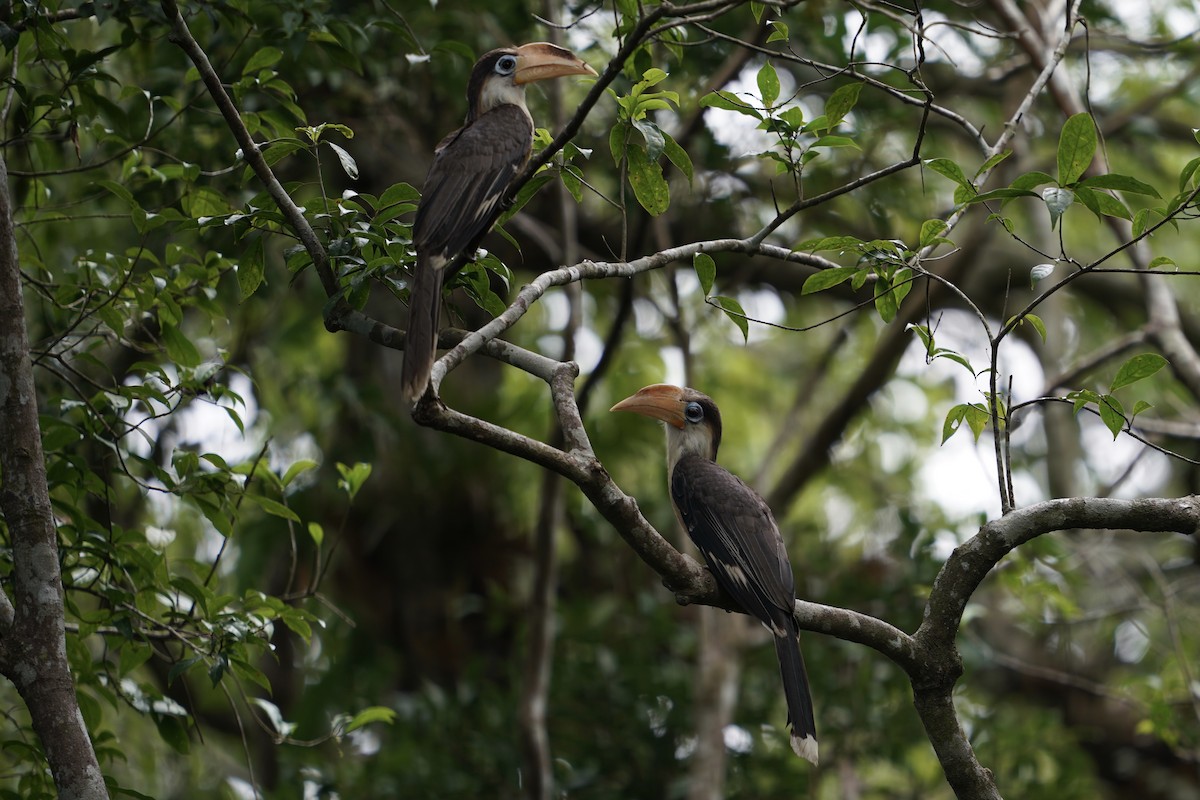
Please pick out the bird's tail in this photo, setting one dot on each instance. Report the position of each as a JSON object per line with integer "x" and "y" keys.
{"x": 799, "y": 698}
{"x": 420, "y": 344}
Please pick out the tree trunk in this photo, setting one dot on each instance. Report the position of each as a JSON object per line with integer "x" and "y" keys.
{"x": 33, "y": 651}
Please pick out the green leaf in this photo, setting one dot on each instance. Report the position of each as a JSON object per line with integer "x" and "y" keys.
{"x": 768, "y": 84}
{"x": 792, "y": 117}
{"x": 370, "y": 715}
{"x": 1185, "y": 175}
{"x": 249, "y": 672}
{"x": 297, "y": 624}
{"x": 957, "y": 358}
{"x": 677, "y": 156}
{"x": 1120, "y": 183}
{"x": 885, "y": 300}
{"x": 779, "y": 32}
{"x": 616, "y": 142}
{"x": 1112, "y": 414}
{"x": 264, "y": 58}
{"x": 924, "y": 334}
{"x": 349, "y": 166}
{"x": 1137, "y": 368}
{"x": 133, "y": 655}
{"x": 646, "y": 178}
{"x": 953, "y": 421}
{"x": 204, "y": 201}
{"x": 181, "y": 667}
{"x": 173, "y": 731}
{"x": 821, "y": 123}
{"x": 835, "y": 141}
{"x": 353, "y": 477}
{"x": 180, "y": 348}
{"x": 992, "y": 162}
{"x": 297, "y": 469}
{"x": 840, "y": 243}
{"x": 977, "y": 419}
{"x": 1076, "y": 148}
{"x": 827, "y": 279}
{"x": 1031, "y": 180}
{"x": 949, "y": 169}
{"x": 860, "y": 278}
{"x": 570, "y": 177}
{"x": 1141, "y": 221}
{"x": 650, "y": 77}
{"x": 1081, "y": 398}
{"x": 841, "y": 102}
{"x": 1038, "y": 325}
{"x": 273, "y": 507}
{"x": 902, "y": 283}
{"x": 931, "y": 232}
{"x": 652, "y": 136}
{"x": 1162, "y": 261}
{"x": 733, "y": 309}
{"x": 706, "y": 271}
{"x": 1102, "y": 203}
{"x": 728, "y": 101}
{"x": 57, "y": 434}
{"x": 316, "y": 532}
{"x": 251, "y": 268}
{"x": 398, "y": 193}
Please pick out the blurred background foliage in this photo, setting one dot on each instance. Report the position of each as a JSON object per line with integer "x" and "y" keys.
{"x": 239, "y": 592}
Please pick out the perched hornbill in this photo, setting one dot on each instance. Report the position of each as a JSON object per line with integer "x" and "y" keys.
{"x": 736, "y": 533}
{"x": 471, "y": 171}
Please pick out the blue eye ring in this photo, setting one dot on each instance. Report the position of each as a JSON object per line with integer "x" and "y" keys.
{"x": 505, "y": 65}
{"x": 693, "y": 412}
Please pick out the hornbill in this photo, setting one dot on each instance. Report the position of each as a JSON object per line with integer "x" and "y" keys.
{"x": 735, "y": 532}
{"x": 471, "y": 171}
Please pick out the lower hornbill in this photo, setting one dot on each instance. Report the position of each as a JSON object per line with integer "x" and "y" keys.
{"x": 735, "y": 532}
{"x": 470, "y": 175}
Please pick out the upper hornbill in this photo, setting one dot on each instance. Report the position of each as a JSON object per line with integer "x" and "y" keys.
{"x": 735, "y": 532}
{"x": 471, "y": 171}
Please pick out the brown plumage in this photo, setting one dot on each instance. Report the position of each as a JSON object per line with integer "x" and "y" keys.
{"x": 471, "y": 172}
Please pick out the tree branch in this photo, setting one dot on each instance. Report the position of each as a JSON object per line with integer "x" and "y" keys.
{"x": 182, "y": 36}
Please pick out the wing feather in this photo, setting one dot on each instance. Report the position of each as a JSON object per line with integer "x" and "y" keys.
{"x": 467, "y": 180}
{"x": 735, "y": 531}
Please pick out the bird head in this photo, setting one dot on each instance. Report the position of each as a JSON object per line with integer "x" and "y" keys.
{"x": 500, "y": 76}
{"x": 693, "y": 420}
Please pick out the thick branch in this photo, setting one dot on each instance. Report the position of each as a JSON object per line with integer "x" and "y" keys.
{"x": 532, "y": 292}
{"x": 970, "y": 563}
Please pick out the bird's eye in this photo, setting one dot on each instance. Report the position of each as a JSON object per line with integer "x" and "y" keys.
{"x": 693, "y": 412}
{"x": 506, "y": 65}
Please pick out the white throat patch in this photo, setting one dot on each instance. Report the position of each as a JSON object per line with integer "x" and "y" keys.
{"x": 501, "y": 91}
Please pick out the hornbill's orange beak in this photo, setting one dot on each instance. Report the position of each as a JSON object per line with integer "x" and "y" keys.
{"x": 538, "y": 61}
{"x": 660, "y": 401}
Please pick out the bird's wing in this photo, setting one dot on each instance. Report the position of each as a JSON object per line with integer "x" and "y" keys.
{"x": 735, "y": 531}
{"x": 467, "y": 180}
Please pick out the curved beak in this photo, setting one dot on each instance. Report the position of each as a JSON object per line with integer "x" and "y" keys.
{"x": 538, "y": 61}
{"x": 659, "y": 401}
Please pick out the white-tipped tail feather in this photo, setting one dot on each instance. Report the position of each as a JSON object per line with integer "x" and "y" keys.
{"x": 805, "y": 746}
